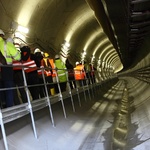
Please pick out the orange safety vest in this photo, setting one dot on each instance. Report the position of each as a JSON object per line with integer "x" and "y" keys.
{"x": 40, "y": 70}
{"x": 51, "y": 61}
{"x": 79, "y": 72}
{"x": 29, "y": 65}
{"x": 53, "y": 67}
{"x": 17, "y": 65}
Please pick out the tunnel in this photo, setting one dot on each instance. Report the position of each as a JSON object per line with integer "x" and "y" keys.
{"x": 110, "y": 114}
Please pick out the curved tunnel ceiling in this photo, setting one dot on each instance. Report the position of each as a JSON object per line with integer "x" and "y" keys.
{"x": 51, "y": 23}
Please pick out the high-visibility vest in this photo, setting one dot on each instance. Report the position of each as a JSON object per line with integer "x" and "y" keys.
{"x": 29, "y": 65}
{"x": 61, "y": 70}
{"x": 17, "y": 65}
{"x": 79, "y": 72}
{"x": 40, "y": 72}
{"x": 9, "y": 51}
{"x": 44, "y": 65}
{"x": 53, "y": 67}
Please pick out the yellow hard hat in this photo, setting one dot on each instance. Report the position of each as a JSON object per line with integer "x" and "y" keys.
{"x": 46, "y": 54}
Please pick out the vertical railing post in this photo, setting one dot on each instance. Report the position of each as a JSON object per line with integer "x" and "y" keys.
{"x": 83, "y": 86}
{"x": 48, "y": 98}
{"x": 91, "y": 85}
{"x": 60, "y": 95}
{"x": 70, "y": 92}
{"x": 3, "y": 130}
{"x": 87, "y": 84}
{"x": 29, "y": 103}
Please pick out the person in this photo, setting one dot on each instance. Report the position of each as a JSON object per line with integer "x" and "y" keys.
{"x": 92, "y": 73}
{"x": 2, "y": 96}
{"x": 87, "y": 71}
{"x": 48, "y": 64}
{"x": 9, "y": 52}
{"x": 61, "y": 72}
{"x": 71, "y": 78}
{"x": 79, "y": 74}
{"x": 30, "y": 68}
{"x": 18, "y": 79}
{"x": 38, "y": 58}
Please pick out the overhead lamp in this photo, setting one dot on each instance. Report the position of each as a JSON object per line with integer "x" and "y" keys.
{"x": 23, "y": 29}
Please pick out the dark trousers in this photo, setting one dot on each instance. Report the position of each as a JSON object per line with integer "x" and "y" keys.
{"x": 7, "y": 95}
{"x": 7, "y": 82}
{"x": 2, "y": 96}
{"x": 49, "y": 82}
{"x": 63, "y": 86}
{"x": 19, "y": 82}
{"x": 32, "y": 81}
{"x": 41, "y": 87}
{"x": 72, "y": 82}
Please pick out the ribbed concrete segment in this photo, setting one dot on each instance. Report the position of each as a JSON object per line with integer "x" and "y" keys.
{"x": 107, "y": 122}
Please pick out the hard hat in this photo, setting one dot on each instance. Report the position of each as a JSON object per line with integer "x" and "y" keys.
{"x": 10, "y": 40}
{"x": 37, "y": 50}
{"x": 46, "y": 54}
{"x": 56, "y": 56}
{"x": 1, "y": 32}
{"x": 77, "y": 63}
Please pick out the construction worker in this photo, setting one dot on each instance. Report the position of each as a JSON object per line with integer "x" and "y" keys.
{"x": 18, "y": 79}
{"x": 92, "y": 73}
{"x": 38, "y": 58}
{"x": 79, "y": 74}
{"x": 54, "y": 73}
{"x": 9, "y": 52}
{"x": 70, "y": 74}
{"x": 61, "y": 72}
{"x": 49, "y": 66}
{"x": 31, "y": 71}
{"x": 87, "y": 71}
{"x": 2, "y": 96}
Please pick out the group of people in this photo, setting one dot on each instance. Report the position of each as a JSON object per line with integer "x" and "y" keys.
{"x": 35, "y": 69}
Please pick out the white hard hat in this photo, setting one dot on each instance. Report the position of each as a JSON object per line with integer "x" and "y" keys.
{"x": 56, "y": 56}
{"x": 2, "y": 32}
{"x": 10, "y": 40}
{"x": 37, "y": 50}
{"x": 77, "y": 63}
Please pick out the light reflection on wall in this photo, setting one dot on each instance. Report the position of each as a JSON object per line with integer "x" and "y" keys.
{"x": 99, "y": 45}
{"x": 26, "y": 11}
{"x": 82, "y": 18}
{"x": 92, "y": 37}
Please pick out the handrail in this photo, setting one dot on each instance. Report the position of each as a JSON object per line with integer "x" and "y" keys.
{"x": 18, "y": 111}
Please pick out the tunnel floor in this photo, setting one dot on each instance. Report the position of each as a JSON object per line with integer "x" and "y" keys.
{"x": 91, "y": 127}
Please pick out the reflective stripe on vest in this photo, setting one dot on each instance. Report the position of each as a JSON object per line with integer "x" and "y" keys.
{"x": 31, "y": 66}
{"x": 17, "y": 65}
{"x": 46, "y": 73}
{"x": 53, "y": 67}
{"x": 61, "y": 74}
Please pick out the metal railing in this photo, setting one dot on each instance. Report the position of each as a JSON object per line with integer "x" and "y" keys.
{"x": 12, "y": 113}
